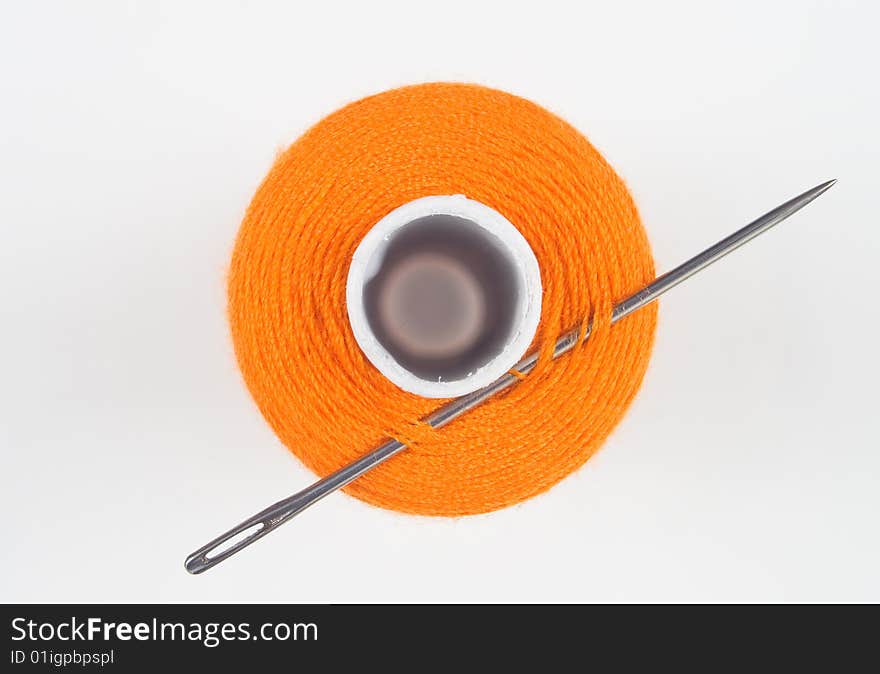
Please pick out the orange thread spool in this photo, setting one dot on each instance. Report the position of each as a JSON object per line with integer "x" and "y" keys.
{"x": 294, "y": 344}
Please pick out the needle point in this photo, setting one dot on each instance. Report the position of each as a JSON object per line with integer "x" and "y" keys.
{"x": 819, "y": 189}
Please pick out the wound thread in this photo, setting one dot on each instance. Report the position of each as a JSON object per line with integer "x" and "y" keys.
{"x": 287, "y": 282}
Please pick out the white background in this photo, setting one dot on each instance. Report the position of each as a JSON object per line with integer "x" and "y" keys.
{"x": 133, "y": 136}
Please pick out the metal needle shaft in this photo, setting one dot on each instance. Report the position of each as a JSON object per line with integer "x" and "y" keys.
{"x": 254, "y": 528}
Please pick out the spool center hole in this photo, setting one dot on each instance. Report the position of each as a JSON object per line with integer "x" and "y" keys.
{"x": 443, "y": 300}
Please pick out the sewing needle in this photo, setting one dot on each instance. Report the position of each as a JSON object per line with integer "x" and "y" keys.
{"x": 254, "y": 528}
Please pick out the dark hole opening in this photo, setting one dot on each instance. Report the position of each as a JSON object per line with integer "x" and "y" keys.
{"x": 430, "y": 302}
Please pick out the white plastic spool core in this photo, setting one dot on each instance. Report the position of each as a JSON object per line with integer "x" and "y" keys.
{"x": 444, "y": 296}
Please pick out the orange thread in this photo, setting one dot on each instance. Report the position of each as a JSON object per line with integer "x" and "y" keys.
{"x": 296, "y": 351}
